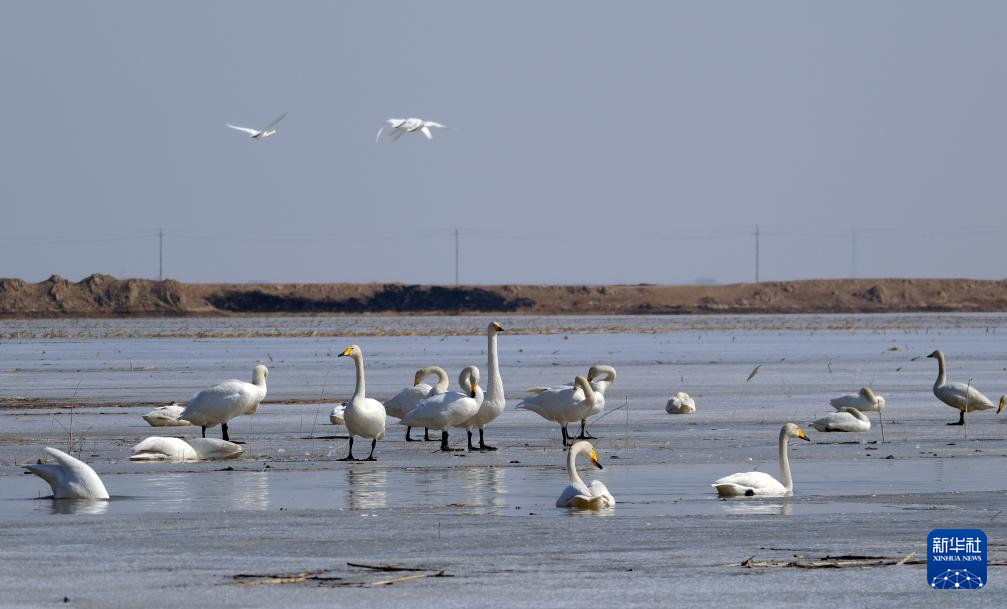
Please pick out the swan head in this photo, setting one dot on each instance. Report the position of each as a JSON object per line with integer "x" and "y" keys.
{"x": 495, "y": 327}
{"x": 793, "y": 431}
{"x": 352, "y": 351}
{"x": 259, "y": 374}
{"x": 1003, "y": 401}
{"x": 584, "y": 385}
{"x": 469, "y": 378}
{"x": 586, "y": 449}
{"x": 420, "y": 375}
{"x": 936, "y": 354}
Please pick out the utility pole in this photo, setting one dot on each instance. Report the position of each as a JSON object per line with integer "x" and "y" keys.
{"x": 853, "y": 254}
{"x": 756, "y": 253}
{"x": 160, "y": 254}
{"x": 457, "y": 260}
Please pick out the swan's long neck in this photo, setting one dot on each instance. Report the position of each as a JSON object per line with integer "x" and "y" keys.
{"x": 571, "y": 469}
{"x": 788, "y": 482}
{"x": 494, "y": 384}
{"x": 358, "y": 391}
{"x": 587, "y": 389}
{"x": 442, "y": 380}
{"x": 602, "y": 384}
{"x": 859, "y": 415}
{"x": 941, "y": 371}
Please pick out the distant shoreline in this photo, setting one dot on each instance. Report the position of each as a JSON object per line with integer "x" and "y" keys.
{"x": 102, "y": 296}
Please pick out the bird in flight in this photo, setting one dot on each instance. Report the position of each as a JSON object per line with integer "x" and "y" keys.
{"x": 258, "y": 134}
{"x": 397, "y": 127}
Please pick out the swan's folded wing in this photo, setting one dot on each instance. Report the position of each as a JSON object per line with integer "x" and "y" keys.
{"x": 753, "y": 480}
{"x": 573, "y": 494}
{"x": 407, "y": 399}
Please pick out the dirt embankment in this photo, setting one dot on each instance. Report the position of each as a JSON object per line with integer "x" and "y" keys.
{"x": 105, "y": 296}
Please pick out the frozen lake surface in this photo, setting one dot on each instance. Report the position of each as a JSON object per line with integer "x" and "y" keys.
{"x": 178, "y": 534}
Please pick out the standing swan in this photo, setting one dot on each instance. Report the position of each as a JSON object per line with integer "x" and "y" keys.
{"x": 219, "y": 404}
{"x": 449, "y": 409}
{"x": 563, "y": 405}
{"x": 407, "y": 399}
{"x": 364, "y": 417}
{"x": 69, "y": 478}
{"x": 957, "y": 395}
{"x": 577, "y": 494}
{"x": 748, "y": 484}
{"x": 847, "y": 419}
{"x": 494, "y": 401}
{"x": 600, "y": 386}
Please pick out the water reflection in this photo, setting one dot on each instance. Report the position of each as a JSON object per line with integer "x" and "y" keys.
{"x": 485, "y": 486}
{"x": 366, "y": 486}
{"x": 79, "y": 506}
{"x": 745, "y": 507}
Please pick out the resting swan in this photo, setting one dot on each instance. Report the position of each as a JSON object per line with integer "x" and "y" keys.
{"x": 956, "y": 395}
{"x": 336, "y": 416}
{"x": 680, "y": 403}
{"x": 159, "y": 448}
{"x": 864, "y": 401}
{"x": 563, "y": 404}
{"x": 577, "y": 494}
{"x": 219, "y": 404}
{"x": 364, "y": 416}
{"x": 493, "y": 402}
{"x": 407, "y": 399}
{"x": 449, "y": 409}
{"x": 69, "y": 478}
{"x": 847, "y": 419}
{"x": 166, "y": 416}
{"x": 748, "y": 484}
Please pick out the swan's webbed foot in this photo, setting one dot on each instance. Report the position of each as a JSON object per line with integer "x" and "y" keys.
{"x": 426, "y": 436}
{"x": 961, "y": 419}
{"x": 349, "y": 455}
{"x": 583, "y": 435}
{"x": 408, "y": 439}
{"x": 371, "y": 457}
{"x": 957, "y": 423}
{"x": 444, "y": 444}
{"x": 347, "y": 458}
{"x": 483, "y": 446}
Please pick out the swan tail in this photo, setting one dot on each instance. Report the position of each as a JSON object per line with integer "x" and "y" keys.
{"x": 733, "y": 490}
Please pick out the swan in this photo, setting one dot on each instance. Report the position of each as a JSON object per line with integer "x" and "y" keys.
{"x": 864, "y": 401}
{"x": 956, "y": 395}
{"x": 158, "y": 448}
{"x": 847, "y": 419}
{"x": 364, "y": 416}
{"x": 397, "y": 127}
{"x": 258, "y": 134}
{"x": 449, "y": 409}
{"x": 494, "y": 402}
{"x": 336, "y": 416}
{"x": 600, "y": 385}
{"x": 166, "y": 416}
{"x": 407, "y": 399}
{"x": 69, "y": 478}
{"x": 759, "y": 483}
{"x": 563, "y": 404}
{"x": 219, "y": 404}
{"x": 577, "y": 494}
{"x": 681, "y": 403}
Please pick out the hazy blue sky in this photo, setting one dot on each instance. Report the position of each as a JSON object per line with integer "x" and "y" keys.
{"x": 597, "y": 142}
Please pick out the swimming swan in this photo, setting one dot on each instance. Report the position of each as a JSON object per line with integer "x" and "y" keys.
{"x": 69, "y": 478}
{"x": 493, "y": 402}
{"x": 166, "y": 416}
{"x": 364, "y": 416}
{"x": 864, "y": 401}
{"x": 449, "y": 409}
{"x": 847, "y": 419}
{"x": 219, "y": 404}
{"x": 954, "y": 394}
{"x": 407, "y": 399}
{"x": 563, "y": 404}
{"x": 748, "y": 484}
{"x": 680, "y": 403}
{"x": 577, "y": 494}
{"x": 158, "y": 448}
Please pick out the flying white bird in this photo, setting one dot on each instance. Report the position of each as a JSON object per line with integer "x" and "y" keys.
{"x": 258, "y": 134}
{"x": 397, "y": 127}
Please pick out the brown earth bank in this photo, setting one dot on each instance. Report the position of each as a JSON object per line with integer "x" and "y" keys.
{"x": 105, "y": 296}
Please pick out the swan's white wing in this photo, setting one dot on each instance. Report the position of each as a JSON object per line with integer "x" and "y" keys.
{"x": 406, "y": 400}
{"x": 750, "y": 483}
{"x": 158, "y": 448}
{"x": 166, "y": 416}
{"x": 426, "y": 132}
{"x": 247, "y": 130}
{"x": 399, "y": 132}
{"x": 573, "y": 494}
{"x": 273, "y": 124}
{"x": 220, "y": 403}
{"x": 955, "y": 392}
{"x": 213, "y": 448}
{"x": 377, "y": 138}
{"x": 442, "y": 411}
{"x": 437, "y": 125}
{"x": 600, "y": 491}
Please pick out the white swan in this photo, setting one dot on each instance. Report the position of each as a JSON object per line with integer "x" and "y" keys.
{"x": 600, "y": 386}
{"x": 680, "y": 403}
{"x": 69, "y": 478}
{"x": 577, "y": 494}
{"x": 748, "y": 484}
{"x": 847, "y": 419}
{"x": 219, "y": 404}
{"x": 494, "y": 401}
{"x": 336, "y": 416}
{"x": 159, "y": 448}
{"x": 956, "y": 395}
{"x": 407, "y": 399}
{"x": 864, "y": 401}
{"x": 397, "y": 127}
{"x": 166, "y": 416}
{"x": 364, "y": 416}
{"x": 563, "y": 404}
{"x": 258, "y": 134}
{"x": 449, "y": 409}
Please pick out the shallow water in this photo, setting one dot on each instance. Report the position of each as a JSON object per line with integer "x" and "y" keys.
{"x": 184, "y": 530}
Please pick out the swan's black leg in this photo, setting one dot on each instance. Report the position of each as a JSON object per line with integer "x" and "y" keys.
{"x": 349, "y": 455}
{"x": 370, "y": 457}
{"x": 204, "y": 431}
{"x": 408, "y": 431}
{"x": 444, "y": 443}
{"x": 482, "y": 442}
{"x": 583, "y": 431}
{"x": 961, "y": 419}
{"x": 469, "y": 433}
{"x": 223, "y": 431}
{"x": 566, "y": 436}
{"x": 426, "y": 436}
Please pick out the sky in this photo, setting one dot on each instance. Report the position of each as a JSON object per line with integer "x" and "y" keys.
{"x": 594, "y": 141}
